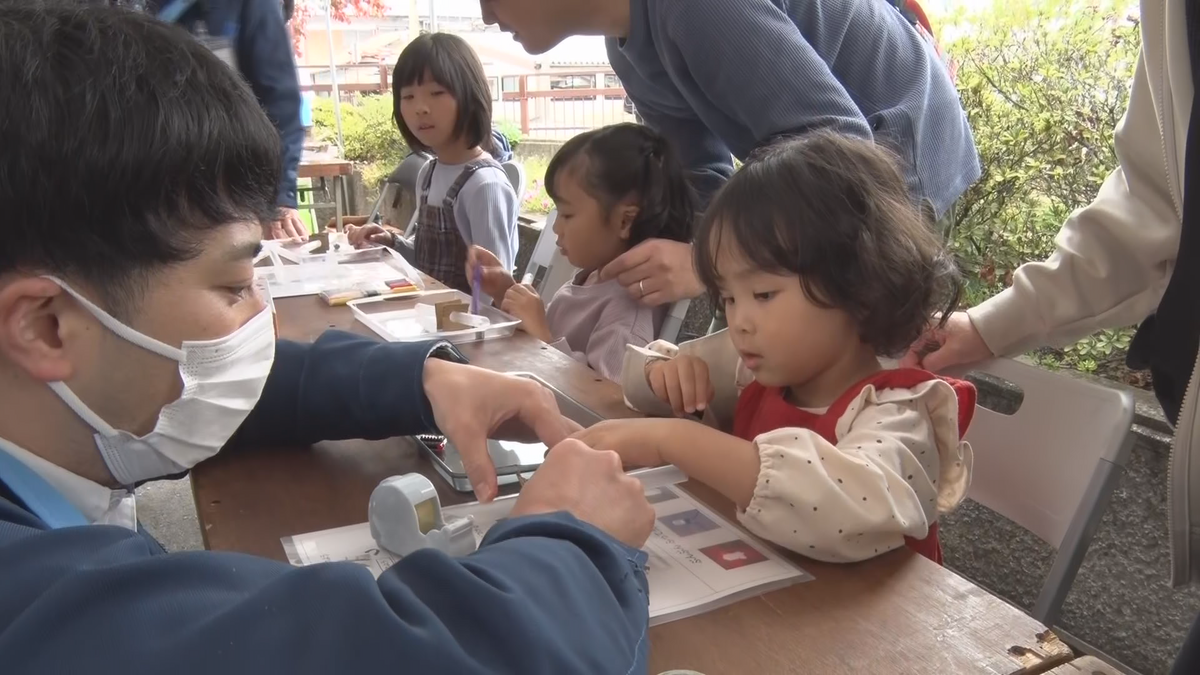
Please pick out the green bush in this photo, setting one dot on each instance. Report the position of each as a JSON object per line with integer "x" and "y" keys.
{"x": 536, "y": 199}
{"x": 512, "y": 133}
{"x": 1043, "y": 83}
{"x": 369, "y": 132}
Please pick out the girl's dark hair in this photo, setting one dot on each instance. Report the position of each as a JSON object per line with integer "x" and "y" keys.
{"x": 451, "y": 62}
{"x": 836, "y": 211}
{"x": 623, "y": 160}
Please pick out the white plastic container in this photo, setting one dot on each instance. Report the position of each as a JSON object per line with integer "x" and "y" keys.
{"x": 409, "y": 319}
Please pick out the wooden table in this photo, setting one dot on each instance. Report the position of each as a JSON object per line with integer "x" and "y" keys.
{"x": 899, "y": 613}
{"x": 334, "y": 169}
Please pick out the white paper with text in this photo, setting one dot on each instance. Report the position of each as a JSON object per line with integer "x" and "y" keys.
{"x": 697, "y": 560}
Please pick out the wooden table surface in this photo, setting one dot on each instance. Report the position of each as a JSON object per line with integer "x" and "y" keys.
{"x": 899, "y": 613}
{"x": 317, "y": 166}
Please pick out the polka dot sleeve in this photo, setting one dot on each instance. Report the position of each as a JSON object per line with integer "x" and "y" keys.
{"x": 897, "y": 464}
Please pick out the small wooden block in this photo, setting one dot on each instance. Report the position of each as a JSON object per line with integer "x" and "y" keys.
{"x": 322, "y": 237}
{"x": 445, "y": 309}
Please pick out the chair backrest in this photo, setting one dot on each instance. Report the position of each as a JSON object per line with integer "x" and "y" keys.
{"x": 516, "y": 177}
{"x": 403, "y": 177}
{"x": 1033, "y": 466}
{"x": 674, "y": 321}
{"x": 406, "y": 173}
{"x": 411, "y": 176}
{"x": 1051, "y": 466}
{"x": 548, "y": 262}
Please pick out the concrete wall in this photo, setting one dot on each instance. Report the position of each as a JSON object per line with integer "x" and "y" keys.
{"x": 528, "y": 149}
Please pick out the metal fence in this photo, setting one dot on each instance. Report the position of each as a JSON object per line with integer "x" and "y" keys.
{"x": 553, "y": 105}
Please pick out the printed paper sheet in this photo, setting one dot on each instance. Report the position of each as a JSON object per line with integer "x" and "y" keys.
{"x": 697, "y": 560}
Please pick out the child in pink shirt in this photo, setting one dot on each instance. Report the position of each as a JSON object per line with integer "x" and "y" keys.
{"x": 614, "y": 188}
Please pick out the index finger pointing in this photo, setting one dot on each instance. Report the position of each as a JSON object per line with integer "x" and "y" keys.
{"x": 477, "y": 462}
{"x": 540, "y": 413}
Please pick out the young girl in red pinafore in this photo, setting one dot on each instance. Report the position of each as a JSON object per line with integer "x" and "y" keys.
{"x": 823, "y": 266}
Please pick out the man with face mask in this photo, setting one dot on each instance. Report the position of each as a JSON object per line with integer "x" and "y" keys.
{"x": 135, "y": 172}
{"x": 721, "y": 79}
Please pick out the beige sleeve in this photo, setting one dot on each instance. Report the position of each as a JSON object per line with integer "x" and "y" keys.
{"x": 897, "y": 465}
{"x": 725, "y": 371}
{"x": 1112, "y": 259}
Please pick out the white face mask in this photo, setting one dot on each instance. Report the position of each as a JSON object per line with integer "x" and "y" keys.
{"x": 222, "y": 382}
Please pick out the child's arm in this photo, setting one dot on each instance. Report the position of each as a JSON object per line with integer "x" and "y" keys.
{"x": 897, "y": 464}
{"x": 489, "y": 207}
{"x": 494, "y": 278}
{"x": 523, "y": 302}
{"x": 357, "y": 221}
{"x": 724, "y": 373}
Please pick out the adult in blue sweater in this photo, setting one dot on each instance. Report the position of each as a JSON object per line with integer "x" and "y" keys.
{"x": 135, "y": 172}
{"x": 721, "y": 79}
{"x": 253, "y": 34}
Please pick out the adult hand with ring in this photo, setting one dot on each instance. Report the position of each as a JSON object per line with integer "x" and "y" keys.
{"x": 656, "y": 272}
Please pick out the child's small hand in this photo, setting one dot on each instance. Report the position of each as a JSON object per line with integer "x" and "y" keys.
{"x": 367, "y": 235}
{"x": 494, "y": 279}
{"x": 683, "y": 382}
{"x": 639, "y": 442}
{"x": 524, "y": 303}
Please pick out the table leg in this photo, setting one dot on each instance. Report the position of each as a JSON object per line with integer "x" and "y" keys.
{"x": 339, "y": 190}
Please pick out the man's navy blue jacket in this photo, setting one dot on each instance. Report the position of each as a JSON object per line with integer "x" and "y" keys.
{"x": 544, "y": 594}
{"x": 264, "y": 57}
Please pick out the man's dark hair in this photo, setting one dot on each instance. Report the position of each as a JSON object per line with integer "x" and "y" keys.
{"x": 450, "y": 62}
{"x": 123, "y": 141}
{"x": 835, "y": 211}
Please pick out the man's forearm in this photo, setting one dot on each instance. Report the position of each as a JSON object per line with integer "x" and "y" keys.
{"x": 340, "y": 387}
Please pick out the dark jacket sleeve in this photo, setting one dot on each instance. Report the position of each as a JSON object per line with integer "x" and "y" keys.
{"x": 342, "y": 386}
{"x": 544, "y": 594}
{"x": 264, "y": 54}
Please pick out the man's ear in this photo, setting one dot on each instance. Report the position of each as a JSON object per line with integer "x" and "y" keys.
{"x": 34, "y": 330}
{"x": 626, "y": 214}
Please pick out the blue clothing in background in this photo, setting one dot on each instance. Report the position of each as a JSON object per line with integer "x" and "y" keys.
{"x": 501, "y": 150}
{"x": 720, "y": 78}
{"x": 306, "y": 109}
{"x": 544, "y": 594}
{"x": 264, "y": 56}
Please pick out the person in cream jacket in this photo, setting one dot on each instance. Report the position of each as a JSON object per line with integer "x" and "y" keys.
{"x": 1127, "y": 258}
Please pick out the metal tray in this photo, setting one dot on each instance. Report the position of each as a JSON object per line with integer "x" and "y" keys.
{"x": 511, "y": 458}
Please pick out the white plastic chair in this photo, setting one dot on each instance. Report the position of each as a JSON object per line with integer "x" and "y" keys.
{"x": 548, "y": 262}
{"x": 674, "y": 321}
{"x": 404, "y": 177}
{"x": 413, "y": 166}
{"x": 1051, "y": 467}
{"x": 516, "y": 177}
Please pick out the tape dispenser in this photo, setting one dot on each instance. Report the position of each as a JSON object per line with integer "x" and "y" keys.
{"x": 406, "y": 516}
